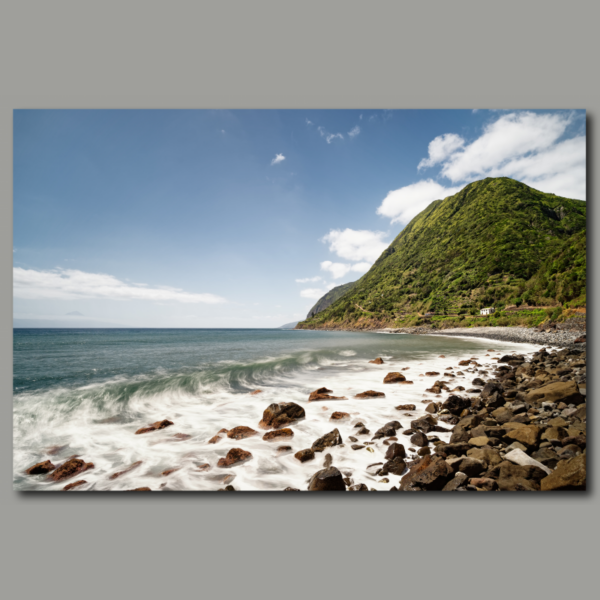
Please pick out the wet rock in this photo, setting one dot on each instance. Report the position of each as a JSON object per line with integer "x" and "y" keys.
{"x": 395, "y": 451}
{"x": 528, "y": 435}
{"x": 423, "y": 451}
{"x": 431, "y": 408}
{"x": 351, "y": 438}
{"x": 241, "y": 432}
{"x": 41, "y": 468}
{"x": 54, "y": 450}
{"x": 394, "y": 378}
{"x": 406, "y": 407}
{"x": 455, "y": 404}
{"x": 227, "y": 488}
{"x": 569, "y": 475}
{"x": 131, "y": 467}
{"x": 73, "y": 485}
{"x": 255, "y": 392}
{"x": 363, "y": 431}
{"x": 69, "y": 469}
{"x": 203, "y": 467}
{"x": 395, "y": 466}
{"x": 459, "y": 480}
{"x": 141, "y": 489}
{"x": 291, "y": 489}
{"x": 339, "y": 416}
{"x": 323, "y": 394}
{"x": 360, "y": 487}
{"x": 490, "y": 388}
{"x": 511, "y": 477}
{"x": 359, "y": 424}
{"x": 326, "y": 480}
{"x": 502, "y": 415}
{"x": 235, "y": 456}
{"x": 482, "y": 440}
{"x": 388, "y": 430}
{"x": 278, "y": 433}
{"x": 472, "y": 467}
{"x": 279, "y": 414}
{"x": 304, "y": 455}
{"x": 557, "y": 391}
{"x": 431, "y": 473}
{"x": 554, "y": 434}
{"x": 181, "y": 436}
{"x": 284, "y": 449}
{"x": 488, "y": 456}
{"x": 419, "y": 439}
{"x": 478, "y": 382}
{"x": 425, "y": 424}
{"x": 370, "y": 394}
{"x": 155, "y": 426}
{"x": 377, "y": 361}
{"x": 333, "y": 438}
{"x": 357, "y": 447}
{"x": 578, "y": 440}
{"x": 214, "y": 439}
{"x": 484, "y": 483}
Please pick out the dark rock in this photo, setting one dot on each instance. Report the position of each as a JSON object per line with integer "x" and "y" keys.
{"x": 468, "y": 465}
{"x": 73, "y": 485}
{"x": 41, "y": 468}
{"x": 241, "y": 432}
{"x": 424, "y": 424}
{"x": 388, "y": 430}
{"x": 277, "y": 415}
{"x": 395, "y": 451}
{"x": 215, "y": 439}
{"x": 363, "y": 431}
{"x": 419, "y": 439}
{"x": 278, "y": 433}
{"x": 357, "y": 447}
{"x": 490, "y": 388}
{"x": 235, "y": 456}
{"x": 456, "y": 449}
{"x": 323, "y": 394}
{"x": 360, "y": 487}
{"x": 69, "y": 469}
{"x": 478, "y": 382}
{"x": 395, "y": 466}
{"x": 557, "y": 391}
{"x": 394, "y": 378}
{"x": 304, "y": 455}
{"x": 370, "y": 394}
{"x": 528, "y": 435}
{"x": 423, "y": 451}
{"x": 484, "y": 483}
{"x": 455, "y": 404}
{"x": 129, "y": 468}
{"x": 155, "y": 426}
{"x": 141, "y": 489}
{"x": 329, "y": 479}
{"x": 339, "y": 416}
{"x": 459, "y": 480}
{"x": 429, "y": 474}
{"x": 291, "y": 489}
{"x": 333, "y": 438}
{"x": 377, "y": 361}
{"x": 406, "y": 407}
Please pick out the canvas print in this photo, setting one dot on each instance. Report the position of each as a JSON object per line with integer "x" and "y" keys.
{"x": 299, "y": 300}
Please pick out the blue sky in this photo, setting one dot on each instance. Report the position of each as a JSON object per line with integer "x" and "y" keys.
{"x": 220, "y": 218}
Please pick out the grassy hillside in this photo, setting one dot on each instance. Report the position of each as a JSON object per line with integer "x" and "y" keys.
{"x": 329, "y": 298}
{"x": 497, "y": 243}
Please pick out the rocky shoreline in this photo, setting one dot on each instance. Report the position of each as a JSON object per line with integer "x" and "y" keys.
{"x": 557, "y": 337}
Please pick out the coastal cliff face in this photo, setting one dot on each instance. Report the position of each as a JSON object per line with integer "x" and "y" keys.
{"x": 497, "y": 242}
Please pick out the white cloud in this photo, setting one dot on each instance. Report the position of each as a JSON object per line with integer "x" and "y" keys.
{"x": 309, "y": 279}
{"x": 70, "y": 284}
{"x": 309, "y": 122}
{"x": 356, "y": 245}
{"x": 329, "y": 137}
{"x": 312, "y": 293}
{"x": 407, "y": 202}
{"x": 336, "y": 269}
{"x": 361, "y": 267}
{"x": 441, "y": 148}
{"x": 354, "y": 132}
{"x": 278, "y": 158}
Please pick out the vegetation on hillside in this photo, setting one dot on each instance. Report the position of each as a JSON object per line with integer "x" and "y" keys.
{"x": 497, "y": 243}
{"x": 329, "y": 298}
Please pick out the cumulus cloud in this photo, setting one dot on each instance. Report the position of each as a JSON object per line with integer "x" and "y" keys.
{"x": 356, "y": 245}
{"x": 354, "y": 131}
{"x": 309, "y": 279}
{"x": 441, "y": 148}
{"x": 407, "y": 202}
{"x": 71, "y": 284}
{"x": 313, "y": 293}
{"x": 338, "y": 270}
{"x": 278, "y": 158}
{"x": 526, "y": 146}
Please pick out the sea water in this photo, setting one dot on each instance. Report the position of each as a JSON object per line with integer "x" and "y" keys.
{"x": 85, "y": 392}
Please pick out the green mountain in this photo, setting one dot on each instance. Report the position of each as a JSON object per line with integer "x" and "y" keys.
{"x": 289, "y": 325}
{"x": 497, "y": 242}
{"x": 329, "y": 298}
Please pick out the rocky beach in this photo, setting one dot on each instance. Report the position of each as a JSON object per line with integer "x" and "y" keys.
{"x": 491, "y": 420}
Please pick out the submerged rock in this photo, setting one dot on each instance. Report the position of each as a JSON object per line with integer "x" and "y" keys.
{"x": 235, "y": 456}
{"x": 305, "y": 455}
{"x": 323, "y": 394}
{"x": 129, "y": 468}
{"x": 278, "y": 433}
{"x": 377, "y": 361}
{"x": 155, "y": 426}
{"x": 73, "y": 485}
{"x": 41, "y": 468}
{"x": 370, "y": 394}
{"x": 339, "y": 416}
{"x": 241, "y": 432}
{"x": 394, "y": 378}
{"x": 333, "y": 438}
{"x": 69, "y": 469}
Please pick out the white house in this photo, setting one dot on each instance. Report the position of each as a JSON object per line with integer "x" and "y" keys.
{"x": 487, "y": 311}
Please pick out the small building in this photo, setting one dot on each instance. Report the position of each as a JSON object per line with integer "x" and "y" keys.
{"x": 487, "y": 311}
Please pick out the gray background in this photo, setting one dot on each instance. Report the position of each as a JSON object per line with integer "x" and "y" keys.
{"x": 148, "y": 54}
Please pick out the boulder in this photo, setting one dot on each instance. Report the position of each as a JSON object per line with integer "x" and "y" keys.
{"x": 41, "y": 468}
{"x": 304, "y": 455}
{"x": 370, "y": 394}
{"x": 457, "y": 449}
{"x": 155, "y": 426}
{"x": 339, "y": 416}
{"x": 482, "y": 440}
{"x": 333, "y": 438}
{"x": 484, "y": 483}
{"x": 323, "y": 394}
{"x": 431, "y": 473}
{"x": 241, "y": 432}
{"x": 278, "y": 433}
{"x": 424, "y": 424}
{"x": 395, "y": 466}
{"x": 419, "y": 439}
{"x": 131, "y": 467}
{"x": 69, "y": 469}
{"x": 569, "y": 475}
{"x": 468, "y": 465}
{"x": 554, "y": 434}
{"x": 394, "y": 378}
{"x": 395, "y": 450}
{"x": 455, "y": 404}
{"x": 327, "y": 480}
{"x": 489, "y": 456}
{"x": 490, "y": 388}
{"x": 556, "y": 391}
{"x": 279, "y": 414}
{"x": 459, "y": 480}
{"x": 502, "y": 415}
{"x": 377, "y": 361}
{"x": 235, "y": 456}
{"x": 388, "y": 430}
{"x": 528, "y": 435}
{"x": 73, "y": 485}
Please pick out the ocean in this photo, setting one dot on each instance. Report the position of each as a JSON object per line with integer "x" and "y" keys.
{"x": 85, "y": 392}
